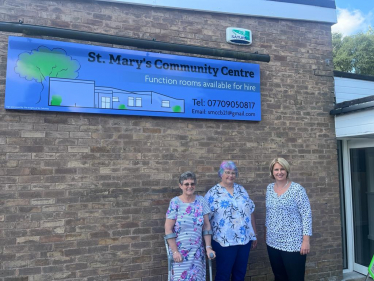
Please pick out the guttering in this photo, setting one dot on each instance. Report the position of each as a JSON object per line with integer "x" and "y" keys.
{"x": 355, "y": 76}
{"x": 353, "y": 105}
{"x": 38, "y": 30}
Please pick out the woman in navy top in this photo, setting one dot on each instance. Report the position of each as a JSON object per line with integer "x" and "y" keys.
{"x": 233, "y": 224}
{"x": 288, "y": 224}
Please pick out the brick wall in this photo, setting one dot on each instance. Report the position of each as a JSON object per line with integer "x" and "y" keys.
{"x": 83, "y": 196}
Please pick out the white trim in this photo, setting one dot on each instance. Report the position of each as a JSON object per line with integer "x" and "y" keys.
{"x": 348, "y": 204}
{"x": 360, "y": 268}
{"x": 360, "y": 143}
{"x": 258, "y": 8}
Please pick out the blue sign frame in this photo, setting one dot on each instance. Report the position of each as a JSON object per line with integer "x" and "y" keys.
{"x": 47, "y": 75}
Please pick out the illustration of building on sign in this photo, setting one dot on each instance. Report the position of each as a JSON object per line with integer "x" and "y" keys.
{"x": 84, "y": 93}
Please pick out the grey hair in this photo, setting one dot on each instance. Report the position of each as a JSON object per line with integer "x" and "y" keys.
{"x": 187, "y": 176}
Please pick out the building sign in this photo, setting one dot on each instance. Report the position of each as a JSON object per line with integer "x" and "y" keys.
{"x": 49, "y": 75}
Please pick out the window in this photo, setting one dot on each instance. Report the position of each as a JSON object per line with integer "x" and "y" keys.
{"x": 138, "y": 102}
{"x": 165, "y": 103}
{"x": 131, "y": 101}
{"x": 115, "y": 99}
{"x": 105, "y": 102}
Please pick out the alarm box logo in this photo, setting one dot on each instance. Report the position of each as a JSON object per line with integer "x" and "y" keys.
{"x": 241, "y": 34}
{"x": 238, "y": 36}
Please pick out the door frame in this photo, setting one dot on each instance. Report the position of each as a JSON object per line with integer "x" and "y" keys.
{"x": 348, "y": 144}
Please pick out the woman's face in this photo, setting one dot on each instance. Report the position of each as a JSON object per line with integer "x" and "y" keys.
{"x": 188, "y": 187}
{"x": 228, "y": 177}
{"x": 279, "y": 172}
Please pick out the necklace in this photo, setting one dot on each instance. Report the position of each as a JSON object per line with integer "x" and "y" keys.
{"x": 284, "y": 185}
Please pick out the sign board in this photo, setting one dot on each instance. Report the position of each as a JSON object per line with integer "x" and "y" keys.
{"x": 49, "y": 75}
{"x": 238, "y": 36}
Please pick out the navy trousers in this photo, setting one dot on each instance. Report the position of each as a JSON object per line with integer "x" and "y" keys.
{"x": 287, "y": 266}
{"x": 231, "y": 261}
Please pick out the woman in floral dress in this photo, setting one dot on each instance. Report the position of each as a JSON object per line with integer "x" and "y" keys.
{"x": 187, "y": 217}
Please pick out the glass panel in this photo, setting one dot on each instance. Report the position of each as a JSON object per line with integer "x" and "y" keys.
{"x": 165, "y": 103}
{"x": 362, "y": 176}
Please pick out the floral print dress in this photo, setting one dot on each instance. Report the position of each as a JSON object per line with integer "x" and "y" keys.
{"x": 189, "y": 222}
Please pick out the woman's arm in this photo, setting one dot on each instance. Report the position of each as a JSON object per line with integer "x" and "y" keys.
{"x": 253, "y": 222}
{"x": 208, "y": 238}
{"x": 305, "y": 246}
{"x": 169, "y": 225}
{"x": 306, "y": 220}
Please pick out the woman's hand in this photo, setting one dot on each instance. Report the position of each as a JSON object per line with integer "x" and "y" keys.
{"x": 209, "y": 251}
{"x": 254, "y": 244}
{"x": 305, "y": 246}
{"x": 177, "y": 257}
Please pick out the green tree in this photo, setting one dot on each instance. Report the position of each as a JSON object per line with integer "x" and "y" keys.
{"x": 354, "y": 53}
{"x": 42, "y": 63}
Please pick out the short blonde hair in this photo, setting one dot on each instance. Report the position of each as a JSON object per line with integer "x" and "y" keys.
{"x": 281, "y": 161}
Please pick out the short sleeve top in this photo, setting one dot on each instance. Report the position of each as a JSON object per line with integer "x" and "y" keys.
{"x": 288, "y": 218}
{"x": 230, "y": 215}
{"x": 199, "y": 208}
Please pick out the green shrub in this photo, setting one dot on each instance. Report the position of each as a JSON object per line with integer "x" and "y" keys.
{"x": 177, "y": 108}
{"x": 56, "y": 100}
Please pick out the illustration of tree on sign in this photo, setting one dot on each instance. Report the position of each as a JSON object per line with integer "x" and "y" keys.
{"x": 42, "y": 63}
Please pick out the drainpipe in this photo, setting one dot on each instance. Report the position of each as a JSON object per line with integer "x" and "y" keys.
{"x": 37, "y": 30}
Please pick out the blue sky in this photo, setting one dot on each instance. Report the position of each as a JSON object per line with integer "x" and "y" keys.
{"x": 354, "y": 16}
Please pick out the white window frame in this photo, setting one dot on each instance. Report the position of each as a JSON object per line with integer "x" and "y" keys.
{"x": 105, "y": 102}
{"x": 165, "y": 103}
{"x": 138, "y": 102}
{"x": 347, "y": 145}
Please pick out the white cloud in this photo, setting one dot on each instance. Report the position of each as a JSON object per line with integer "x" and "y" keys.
{"x": 351, "y": 22}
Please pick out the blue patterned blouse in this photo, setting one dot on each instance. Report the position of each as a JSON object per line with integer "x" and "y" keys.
{"x": 230, "y": 215}
{"x": 288, "y": 218}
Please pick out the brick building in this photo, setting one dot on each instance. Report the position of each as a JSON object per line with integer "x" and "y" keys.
{"x": 83, "y": 196}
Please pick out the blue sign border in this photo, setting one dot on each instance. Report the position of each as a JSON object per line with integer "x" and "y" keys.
{"x": 47, "y": 75}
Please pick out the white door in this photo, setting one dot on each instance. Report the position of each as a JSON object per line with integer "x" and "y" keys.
{"x": 359, "y": 190}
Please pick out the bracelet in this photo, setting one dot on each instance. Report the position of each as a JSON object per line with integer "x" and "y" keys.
{"x": 175, "y": 252}
{"x": 209, "y": 247}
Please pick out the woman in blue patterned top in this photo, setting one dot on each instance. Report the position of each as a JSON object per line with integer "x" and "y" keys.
{"x": 233, "y": 224}
{"x": 288, "y": 225}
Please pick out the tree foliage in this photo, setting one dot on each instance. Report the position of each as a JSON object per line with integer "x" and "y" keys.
{"x": 354, "y": 53}
{"x": 42, "y": 63}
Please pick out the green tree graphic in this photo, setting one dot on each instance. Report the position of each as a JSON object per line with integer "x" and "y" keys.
{"x": 122, "y": 106}
{"x": 42, "y": 63}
